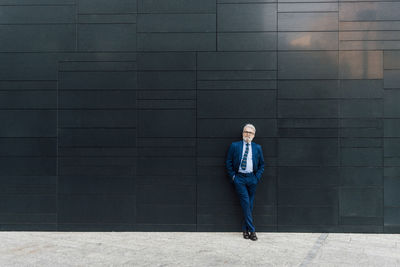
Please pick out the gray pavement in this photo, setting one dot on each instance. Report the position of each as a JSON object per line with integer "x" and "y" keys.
{"x": 197, "y": 249}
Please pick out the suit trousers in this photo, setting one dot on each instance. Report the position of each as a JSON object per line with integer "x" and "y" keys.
{"x": 245, "y": 185}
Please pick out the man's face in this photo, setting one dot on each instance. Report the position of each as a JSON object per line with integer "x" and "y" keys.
{"x": 248, "y": 134}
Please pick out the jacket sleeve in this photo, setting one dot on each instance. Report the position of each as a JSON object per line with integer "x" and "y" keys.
{"x": 261, "y": 164}
{"x": 229, "y": 162}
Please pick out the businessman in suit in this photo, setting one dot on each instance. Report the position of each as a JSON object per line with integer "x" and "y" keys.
{"x": 245, "y": 166}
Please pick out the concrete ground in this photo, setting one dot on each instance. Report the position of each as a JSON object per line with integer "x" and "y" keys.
{"x": 197, "y": 249}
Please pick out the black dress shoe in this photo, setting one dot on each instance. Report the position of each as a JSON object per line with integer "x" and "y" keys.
{"x": 246, "y": 235}
{"x": 253, "y": 236}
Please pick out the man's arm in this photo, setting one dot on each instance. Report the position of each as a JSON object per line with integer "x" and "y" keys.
{"x": 229, "y": 162}
{"x": 261, "y": 164}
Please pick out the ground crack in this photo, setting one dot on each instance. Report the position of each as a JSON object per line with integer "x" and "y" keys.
{"x": 314, "y": 250}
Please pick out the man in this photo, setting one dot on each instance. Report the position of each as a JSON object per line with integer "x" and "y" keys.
{"x": 245, "y": 165}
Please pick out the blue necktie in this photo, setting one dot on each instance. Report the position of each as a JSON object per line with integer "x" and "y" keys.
{"x": 244, "y": 160}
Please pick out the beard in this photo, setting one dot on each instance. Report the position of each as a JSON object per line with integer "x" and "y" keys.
{"x": 247, "y": 139}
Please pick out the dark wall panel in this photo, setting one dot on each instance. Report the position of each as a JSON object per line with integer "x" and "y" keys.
{"x": 307, "y": 21}
{"x": 36, "y": 38}
{"x": 176, "y": 6}
{"x": 308, "y": 65}
{"x": 106, "y": 37}
{"x": 117, "y": 115}
{"x": 223, "y": 61}
{"x": 14, "y": 14}
{"x": 361, "y": 64}
{"x": 246, "y": 41}
{"x": 307, "y": 41}
{"x": 24, "y": 66}
{"x": 104, "y": 6}
{"x": 362, "y": 11}
{"x": 257, "y": 17}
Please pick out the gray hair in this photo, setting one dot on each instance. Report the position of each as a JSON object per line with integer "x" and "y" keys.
{"x": 251, "y": 126}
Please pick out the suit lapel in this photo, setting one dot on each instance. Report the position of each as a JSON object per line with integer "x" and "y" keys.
{"x": 253, "y": 152}
{"x": 240, "y": 151}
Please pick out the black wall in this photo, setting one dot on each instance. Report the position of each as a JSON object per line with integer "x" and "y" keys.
{"x": 117, "y": 115}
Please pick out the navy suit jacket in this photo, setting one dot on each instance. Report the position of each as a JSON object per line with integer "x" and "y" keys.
{"x": 234, "y": 158}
